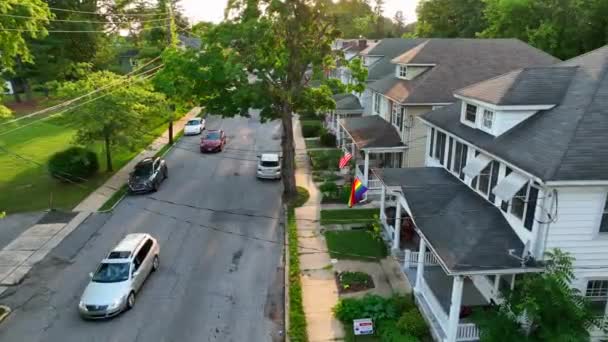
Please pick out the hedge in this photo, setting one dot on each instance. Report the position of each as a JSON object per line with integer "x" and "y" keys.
{"x": 311, "y": 128}
{"x": 75, "y": 164}
{"x": 297, "y": 319}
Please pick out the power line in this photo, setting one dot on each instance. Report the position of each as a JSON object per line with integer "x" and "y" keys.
{"x": 68, "y": 102}
{"x": 105, "y": 14}
{"x": 75, "y": 20}
{"x": 75, "y": 31}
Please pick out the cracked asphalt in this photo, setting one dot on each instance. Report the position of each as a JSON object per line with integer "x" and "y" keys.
{"x": 215, "y": 282}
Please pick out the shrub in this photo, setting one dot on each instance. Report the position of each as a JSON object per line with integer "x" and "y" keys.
{"x": 327, "y": 139}
{"x": 370, "y": 306}
{"x": 311, "y": 128}
{"x": 389, "y": 332}
{"x": 325, "y": 160}
{"x": 297, "y": 319}
{"x": 329, "y": 188}
{"x": 302, "y": 197}
{"x": 75, "y": 164}
{"x": 412, "y": 323}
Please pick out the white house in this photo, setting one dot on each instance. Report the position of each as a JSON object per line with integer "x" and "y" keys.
{"x": 421, "y": 77}
{"x": 517, "y": 166}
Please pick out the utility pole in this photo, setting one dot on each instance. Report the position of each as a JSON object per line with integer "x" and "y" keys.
{"x": 170, "y": 44}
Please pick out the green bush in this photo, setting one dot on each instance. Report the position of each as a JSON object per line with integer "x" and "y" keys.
{"x": 370, "y": 306}
{"x": 327, "y": 139}
{"x": 412, "y": 323}
{"x": 325, "y": 160}
{"x": 75, "y": 164}
{"x": 302, "y": 197}
{"x": 311, "y": 128}
{"x": 329, "y": 188}
{"x": 389, "y": 332}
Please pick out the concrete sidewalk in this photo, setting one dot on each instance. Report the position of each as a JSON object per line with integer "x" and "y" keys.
{"x": 98, "y": 197}
{"x": 319, "y": 290}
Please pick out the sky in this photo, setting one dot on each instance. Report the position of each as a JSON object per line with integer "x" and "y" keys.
{"x": 213, "y": 10}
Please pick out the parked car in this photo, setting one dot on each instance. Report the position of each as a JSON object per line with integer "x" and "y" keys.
{"x": 147, "y": 175}
{"x": 213, "y": 141}
{"x": 119, "y": 277}
{"x": 269, "y": 166}
{"x": 194, "y": 126}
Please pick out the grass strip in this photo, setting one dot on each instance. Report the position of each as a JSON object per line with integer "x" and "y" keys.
{"x": 297, "y": 319}
{"x": 116, "y": 197}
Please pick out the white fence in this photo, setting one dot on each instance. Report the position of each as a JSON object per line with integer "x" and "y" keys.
{"x": 411, "y": 259}
{"x": 467, "y": 332}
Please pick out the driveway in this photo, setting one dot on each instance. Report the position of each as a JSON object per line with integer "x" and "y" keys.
{"x": 221, "y": 276}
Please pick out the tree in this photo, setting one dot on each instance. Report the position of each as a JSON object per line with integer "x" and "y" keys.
{"x": 258, "y": 58}
{"x": 22, "y": 19}
{"x": 378, "y": 11}
{"x": 553, "y": 310}
{"x": 399, "y": 20}
{"x": 450, "y": 19}
{"x": 119, "y": 117}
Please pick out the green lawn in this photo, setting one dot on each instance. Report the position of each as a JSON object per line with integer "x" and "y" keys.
{"x": 25, "y": 186}
{"x": 117, "y": 196}
{"x": 312, "y": 143}
{"x": 355, "y": 245}
{"x": 345, "y": 216}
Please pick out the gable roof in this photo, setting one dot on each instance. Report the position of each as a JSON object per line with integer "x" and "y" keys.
{"x": 387, "y": 49}
{"x": 347, "y": 103}
{"x": 527, "y": 86}
{"x": 371, "y": 131}
{"x": 457, "y": 63}
{"x": 566, "y": 143}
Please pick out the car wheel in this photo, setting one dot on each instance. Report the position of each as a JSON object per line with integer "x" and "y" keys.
{"x": 155, "y": 263}
{"x": 131, "y": 300}
{"x": 166, "y": 174}
{"x": 155, "y": 187}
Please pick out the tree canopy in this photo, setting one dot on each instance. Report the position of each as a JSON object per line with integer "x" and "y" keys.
{"x": 118, "y": 118}
{"x": 563, "y": 28}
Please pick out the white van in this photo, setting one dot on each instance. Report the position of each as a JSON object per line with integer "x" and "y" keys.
{"x": 269, "y": 166}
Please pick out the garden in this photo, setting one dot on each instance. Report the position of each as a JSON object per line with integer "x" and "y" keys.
{"x": 395, "y": 319}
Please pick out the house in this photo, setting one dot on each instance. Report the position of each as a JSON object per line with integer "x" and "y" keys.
{"x": 8, "y": 88}
{"x": 515, "y": 167}
{"x": 420, "y": 79}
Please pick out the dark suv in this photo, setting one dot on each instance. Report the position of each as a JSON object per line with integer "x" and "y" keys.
{"x": 147, "y": 175}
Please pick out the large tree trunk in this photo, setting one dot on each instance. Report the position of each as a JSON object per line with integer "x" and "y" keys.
{"x": 108, "y": 153}
{"x": 289, "y": 161}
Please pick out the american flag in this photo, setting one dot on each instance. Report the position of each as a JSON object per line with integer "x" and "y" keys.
{"x": 344, "y": 160}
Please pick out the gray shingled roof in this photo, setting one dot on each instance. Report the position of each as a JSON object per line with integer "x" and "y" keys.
{"x": 190, "y": 42}
{"x": 389, "y": 48}
{"x": 566, "y": 143}
{"x": 458, "y": 63}
{"x": 347, "y": 103}
{"x": 468, "y": 233}
{"x": 527, "y": 86}
{"x": 372, "y": 131}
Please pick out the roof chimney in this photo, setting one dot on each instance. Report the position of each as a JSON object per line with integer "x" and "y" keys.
{"x": 362, "y": 43}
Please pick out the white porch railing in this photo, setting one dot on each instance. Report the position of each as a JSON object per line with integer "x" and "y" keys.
{"x": 373, "y": 183}
{"x": 433, "y": 304}
{"x": 411, "y": 259}
{"x": 467, "y": 332}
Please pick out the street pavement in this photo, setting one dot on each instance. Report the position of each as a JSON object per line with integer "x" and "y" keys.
{"x": 219, "y": 280}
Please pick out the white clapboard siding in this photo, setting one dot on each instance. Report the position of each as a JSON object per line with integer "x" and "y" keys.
{"x": 576, "y": 229}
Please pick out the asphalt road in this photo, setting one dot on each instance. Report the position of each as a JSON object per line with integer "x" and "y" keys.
{"x": 214, "y": 284}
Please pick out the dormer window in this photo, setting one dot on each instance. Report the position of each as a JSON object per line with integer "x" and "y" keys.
{"x": 488, "y": 118}
{"x": 471, "y": 113}
{"x": 403, "y": 71}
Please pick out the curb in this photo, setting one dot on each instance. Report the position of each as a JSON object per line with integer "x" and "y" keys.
{"x": 286, "y": 274}
{"x": 7, "y": 311}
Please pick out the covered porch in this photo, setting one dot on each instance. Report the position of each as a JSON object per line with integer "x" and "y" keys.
{"x": 373, "y": 142}
{"x": 467, "y": 252}
{"x": 347, "y": 106}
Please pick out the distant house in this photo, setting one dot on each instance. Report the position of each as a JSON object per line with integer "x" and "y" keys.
{"x": 409, "y": 77}
{"x": 127, "y": 60}
{"x": 8, "y": 88}
{"x": 515, "y": 167}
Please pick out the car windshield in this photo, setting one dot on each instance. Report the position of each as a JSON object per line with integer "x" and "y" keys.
{"x": 112, "y": 273}
{"x": 270, "y": 163}
{"x": 193, "y": 123}
{"x": 143, "y": 169}
{"x": 212, "y": 136}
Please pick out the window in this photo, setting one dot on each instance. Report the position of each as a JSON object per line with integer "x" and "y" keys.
{"x": 505, "y": 204}
{"x": 493, "y": 180}
{"x": 531, "y": 208}
{"x": 403, "y": 71}
{"x": 397, "y": 117}
{"x": 486, "y": 177}
{"x": 597, "y": 294}
{"x": 604, "y": 222}
{"x": 432, "y": 141}
{"x": 471, "y": 113}
{"x": 377, "y": 103}
{"x": 518, "y": 203}
{"x": 440, "y": 147}
{"x": 460, "y": 159}
{"x": 488, "y": 118}
{"x": 143, "y": 252}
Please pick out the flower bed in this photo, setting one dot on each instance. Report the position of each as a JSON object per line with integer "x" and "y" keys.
{"x": 349, "y": 282}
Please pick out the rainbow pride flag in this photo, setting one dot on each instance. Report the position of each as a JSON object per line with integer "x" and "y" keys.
{"x": 356, "y": 193}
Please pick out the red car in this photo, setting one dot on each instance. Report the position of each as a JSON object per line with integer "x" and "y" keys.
{"x": 213, "y": 141}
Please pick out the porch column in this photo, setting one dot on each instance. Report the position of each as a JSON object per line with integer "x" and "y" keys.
{"x": 496, "y": 284}
{"x": 382, "y": 202}
{"x": 339, "y": 135}
{"x": 512, "y": 282}
{"x": 454, "y": 318}
{"x": 366, "y": 169}
{"x": 397, "y": 236}
{"x": 420, "y": 266}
